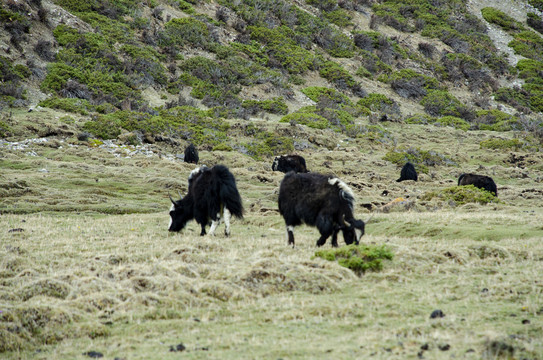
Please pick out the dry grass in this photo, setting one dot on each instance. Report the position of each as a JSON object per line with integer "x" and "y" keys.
{"x": 86, "y": 263}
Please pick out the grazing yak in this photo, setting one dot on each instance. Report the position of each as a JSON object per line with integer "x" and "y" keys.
{"x": 322, "y": 201}
{"x": 212, "y": 195}
{"x": 286, "y": 163}
{"x": 480, "y": 181}
{"x": 408, "y": 172}
{"x": 191, "y": 155}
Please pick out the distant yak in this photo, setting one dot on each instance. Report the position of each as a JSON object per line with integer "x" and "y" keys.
{"x": 212, "y": 195}
{"x": 408, "y": 172}
{"x": 480, "y": 181}
{"x": 286, "y": 163}
{"x": 322, "y": 201}
{"x": 191, "y": 154}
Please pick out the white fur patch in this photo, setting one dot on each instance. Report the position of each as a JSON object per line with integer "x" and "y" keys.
{"x": 227, "y": 216}
{"x": 341, "y": 185}
{"x": 358, "y": 233}
{"x": 171, "y": 220}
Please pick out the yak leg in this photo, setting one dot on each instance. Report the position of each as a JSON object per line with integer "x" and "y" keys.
{"x": 290, "y": 235}
{"x": 203, "y": 232}
{"x": 326, "y": 228}
{"x": 227, "y": 215}
{"x": 214, "y": 223}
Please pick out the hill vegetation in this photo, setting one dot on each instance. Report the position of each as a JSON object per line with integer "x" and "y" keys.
{"x": 99, "y": 98}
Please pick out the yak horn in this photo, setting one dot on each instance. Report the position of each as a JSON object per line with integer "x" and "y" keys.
{"x": 367, "y": 221}
{"x": 173, "y": 201}
{"x": 179, "y": 193}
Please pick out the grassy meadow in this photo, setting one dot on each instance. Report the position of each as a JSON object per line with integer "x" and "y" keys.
{"x": 87, "y": 265}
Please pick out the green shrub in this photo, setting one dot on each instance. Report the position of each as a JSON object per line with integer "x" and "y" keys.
{"x": 184, "y": 32}
{"x": 528, "y": 44}
{"x": 74, "y": 105}
{"x": 495, "y": 120}
{"x": 280, "y": 45}
{"x": 373, "y": 133}
{"x": 461, "y": 195}
{"x": 5, "y": 129}
{"x": 338, "y": 17}
{"x": 266, "y": 144}
{"x": 379, "y": 103}
{"x": 409, "y": 84}
{"x": 454, "y": 122}
{"x": 529, "y": 68}
{"x": 420, "y": 158}
{"x": 307, "y": 117}
{"x": 358, "y": 258}
{"x": 420, "y": 119}
{"x": 442, "y": 103}
{"x": 337, "y": 75}
{"x": 501, "y": 144}
{"x": 498, "y": 17}
{"x": 273, "y": 106}
{"x": 316, "y": 93}
{"x": 538, "y": 4}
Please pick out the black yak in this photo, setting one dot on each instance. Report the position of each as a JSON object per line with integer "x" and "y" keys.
{"x": 408, "y": 172}
{"x": 286, "y": 163}
{"x": 480, "y": 181}
{"x": 212, "y": 195}
{"x": 322, "y": 201}
{"x": 191, "y": 154}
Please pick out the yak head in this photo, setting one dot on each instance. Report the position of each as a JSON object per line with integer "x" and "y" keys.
{"x": 353, "y": 231}
{"x": 180, "y": 214}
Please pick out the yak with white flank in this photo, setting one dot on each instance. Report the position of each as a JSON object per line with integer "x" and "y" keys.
{"x": 480, "y": 181}
{"x": 408, "y": 172}
{"x": 286, "y": 163}
{"x": 212, "y": 195}
{"x": 191, "y": 154}
{"x": 322, "y": 201}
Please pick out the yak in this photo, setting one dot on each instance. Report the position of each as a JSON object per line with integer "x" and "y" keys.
{"x": 322, "y": 201}
{"x": 286, "y": 163}
{"x": 191, "y": 154}
{"x": 212, "y": 195}
{"x": 480, "y": 181}
{"x": 408, "y": 172}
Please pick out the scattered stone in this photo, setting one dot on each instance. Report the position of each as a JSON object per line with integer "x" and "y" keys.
{"x": 94, "y": 354}
{"x": 425, "y": 347}
{"x": 525, "y": 321}
{"x": 437, "y": 314}
{"x": 444, "y": 347}
{"x": 178, "y": 347}
{"x": 16, "y": 230}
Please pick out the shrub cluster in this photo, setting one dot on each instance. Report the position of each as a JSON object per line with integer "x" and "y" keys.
{"x": 460, "y": 195}
{"x": 420, "y": 158}
{"x": 442, "y": 103}
{"x": 358, "y": 258}
{"x": 501, "y": 144}
{"x": 409, "y": 84}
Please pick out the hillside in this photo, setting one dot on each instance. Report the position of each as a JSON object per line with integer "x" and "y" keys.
{"x": 98, "y": 100}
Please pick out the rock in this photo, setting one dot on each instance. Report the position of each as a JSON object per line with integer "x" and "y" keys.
{"x": 437, "y": 314}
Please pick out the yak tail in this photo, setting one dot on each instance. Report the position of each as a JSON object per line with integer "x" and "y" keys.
{"x": 460, "y": 179}
{"x": 228, "y": 191}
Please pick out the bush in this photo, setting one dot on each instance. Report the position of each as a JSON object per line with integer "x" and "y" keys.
{"x": 501, "y": 144}
{"x": 184, "y": 32}
{"x": 420, "y": 158}
{"x": 268, "y": 144}
{"x": 358, "y": 258}
{"x": 495, "y": 120}
{"x": 441, "y": 103}
{"x": 379, "y": 103}
{"x": 454, "y": 122}
{"x": 498, "y": 17}
{"x": 409, "y": 84}
{"x": 340, "y": 77}
{"x": 461, "y": 195}
{"x": 317, "y": 93}
{"x": 535, "y": 22}
{"x": 79, "y": 106}
{"x": 306, "y": 116}
{"x": 528, "y": 44}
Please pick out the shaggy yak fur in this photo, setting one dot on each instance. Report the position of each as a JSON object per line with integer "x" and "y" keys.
{"x": 286, "y": 163}
{"x": 408, "y": 173}
{"x": 212, "y": 195}
{"x": 480, "y": 181}
{"x": 322, "y": 201}
{"x": 191, "y": 155}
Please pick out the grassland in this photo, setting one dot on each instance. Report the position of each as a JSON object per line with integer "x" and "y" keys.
{"x": 88, "y": 265}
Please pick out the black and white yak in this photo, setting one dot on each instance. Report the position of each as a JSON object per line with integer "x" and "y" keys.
{"x": 212, "y": 195}
{"x": 408, "y": 172}
{"x": 286, "y": 163}
{"x": 480, "y": 181}
{"x": 322, "y": 201}
{"x": 191, "y": 154}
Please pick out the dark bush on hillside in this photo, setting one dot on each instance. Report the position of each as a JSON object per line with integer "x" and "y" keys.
{"x": 410, "y": 84}
{"x": 11, "y": 89}
{"x": 517, "y": 97}
{"x": 43, "y": 49}
{"x": 461, "y": 66}
{"x": 222, "y": 14}
{"x": 441, "y": 103}
{"x": 427, "y": 49}
{"x": 74, "y": 89}
{"x": 364, "y": 41}
{"x": 535, "y": 22}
